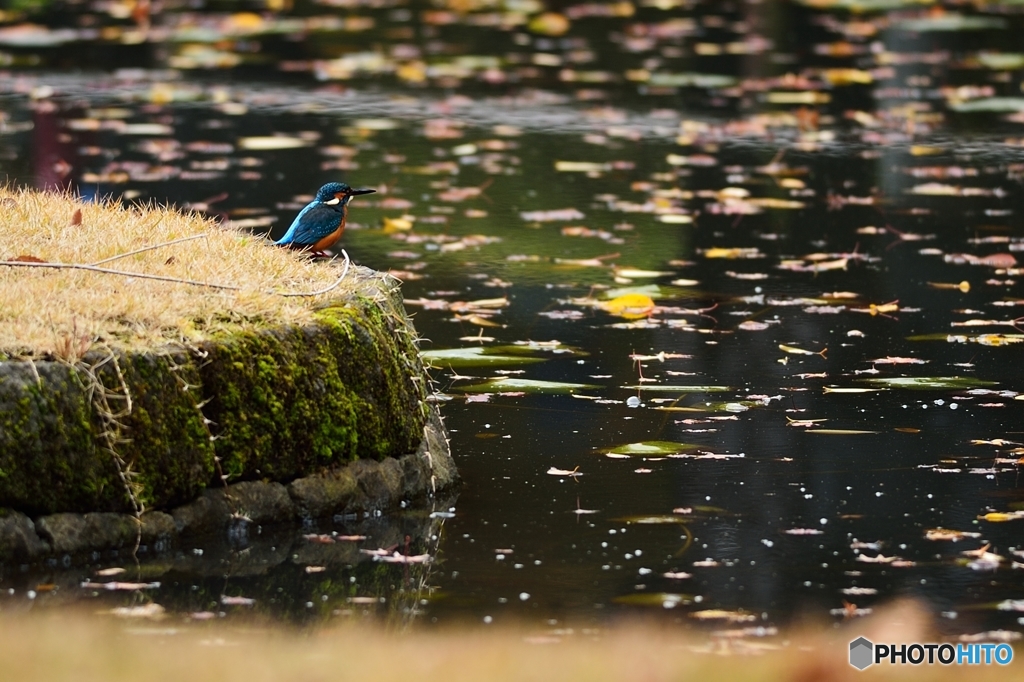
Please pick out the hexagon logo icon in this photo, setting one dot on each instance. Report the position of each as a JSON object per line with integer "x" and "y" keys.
{"x": 862, "y": 653}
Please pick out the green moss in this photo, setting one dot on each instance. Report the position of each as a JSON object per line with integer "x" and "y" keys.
{"x": 289, "y": 401}
{"x": 164, "y": 442}
{"x": 281, "y": 403}
{"x": 49, "y": 458}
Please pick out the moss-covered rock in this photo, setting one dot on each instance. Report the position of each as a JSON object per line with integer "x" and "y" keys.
{"x": 50, "y": 458}
{"x": 121, "y": 430}
{"x": 287, "y": 401}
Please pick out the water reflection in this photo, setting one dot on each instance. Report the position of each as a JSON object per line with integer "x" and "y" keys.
{"x": 826, "y": 213}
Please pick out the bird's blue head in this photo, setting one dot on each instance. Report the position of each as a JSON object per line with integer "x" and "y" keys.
{"x": 338, "y": 192}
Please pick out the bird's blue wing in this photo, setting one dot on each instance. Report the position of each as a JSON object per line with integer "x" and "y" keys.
{"x": 289, "y": 236}
{"x": 313, "y": 223}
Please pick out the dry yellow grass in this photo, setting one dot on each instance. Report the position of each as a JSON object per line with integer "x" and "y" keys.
{"x": 57, "y": 647}
{"x": 43, "y": 311}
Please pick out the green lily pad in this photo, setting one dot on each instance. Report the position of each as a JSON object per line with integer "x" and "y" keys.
{"x": 475, "y": 357}
{"x": 1002, "y": 61}
{"x": 652, "y": 290}
{"x": 679, "y": 388}
{"x": 691, "y": 80}
{"x": 708, "y": 509}
{"x": 666, "y": 600}
{"x": 650, "y": 448}
{"x": 533, "y": 347}
{"x": 931, "y": 383}
{"x": 502, "y": 384}
{"x": 994, "y": 104}
{"x": 950, "y": 22}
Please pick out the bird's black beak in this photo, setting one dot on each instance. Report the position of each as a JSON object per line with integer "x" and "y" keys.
{"x": 355, "y": 192}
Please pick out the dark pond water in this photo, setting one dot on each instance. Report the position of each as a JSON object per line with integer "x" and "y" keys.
{"x": 813, "y": 216}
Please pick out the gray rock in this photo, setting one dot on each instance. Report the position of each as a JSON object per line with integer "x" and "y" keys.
{"x": 157, "y": 525}
{"x": 260, "y": 501}
{"x": 324, "y": 494}
{"x": 380, "y": 484}
{"x": 75, "y": 533}
{"x": 208, "y": 514}
{"x": 18, "y": 538}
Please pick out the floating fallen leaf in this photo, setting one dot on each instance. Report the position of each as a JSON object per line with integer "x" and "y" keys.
{"x": 849, "y": 389}
{"x": 555, "y": 471}
{"x": 930, "y": 383}
{"x": 719, "y": 614}
{"x": 880, "y": 559}
{"x": 273, "y": 142}
{"x": 963, "y": 286}
{"x": 651, "y": 519}
{"x": 581, "y": 167}
{"x": 397, "y": 558}
{"x": 629, "y": 306}
{"x": 999, "y": 517}
{"x": 942, "y": 534}
{"x": 679, "y": 388}
{"x": 804, "y": 423}
{"x": 476, "y": 356}
{"x": 123, "y": 586}
{"x": 651, "y": 448}
{"x": 504, "y": 384}
{"x": 733, "y": 253}
{"x": 666, "y": 600}
{"x": 107, "y": 572}
{"x": 800, "y": 351}
{"x": 563, "y": 215}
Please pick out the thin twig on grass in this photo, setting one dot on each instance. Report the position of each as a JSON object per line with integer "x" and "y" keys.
{"x": 165, "y": 278}
{"x": 109, "y": 271}
{"x": 150, "y": 248}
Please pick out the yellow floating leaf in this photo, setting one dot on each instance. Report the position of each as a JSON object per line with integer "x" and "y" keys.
{"x": 999, "y": 517}
{"x": 719, "y": 252}
{"x": 720, "y": 614}
{"x": 629, "y": 306}
{"x": 805, "y": 97}
{"x": 847, "y": 76}
{"x": 397, "y": 224}
{"x": 549, "y": 24}
{"x": 963, "y": 286}
{"x": 771, "y": 202}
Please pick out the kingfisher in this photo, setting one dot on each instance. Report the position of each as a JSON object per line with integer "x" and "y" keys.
{"x": 319, "y": 225}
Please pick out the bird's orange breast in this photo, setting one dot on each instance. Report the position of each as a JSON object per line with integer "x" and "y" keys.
{"x": 332, "y": 239}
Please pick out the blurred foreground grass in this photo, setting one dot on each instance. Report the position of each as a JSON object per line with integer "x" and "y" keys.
{"x": 90, "y": 648}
